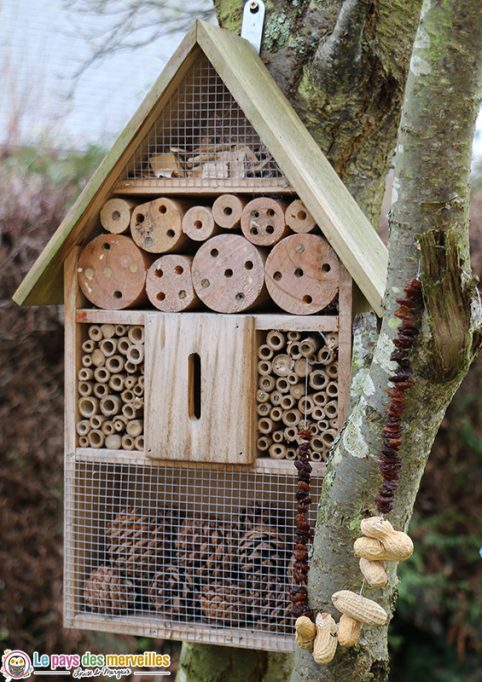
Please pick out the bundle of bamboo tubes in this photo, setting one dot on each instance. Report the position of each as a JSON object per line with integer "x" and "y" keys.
{"x": 110, "y": 388}
{"x": 297, "y": 388}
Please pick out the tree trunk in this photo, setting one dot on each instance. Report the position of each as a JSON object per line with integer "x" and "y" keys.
{"x": 347, "y": 87}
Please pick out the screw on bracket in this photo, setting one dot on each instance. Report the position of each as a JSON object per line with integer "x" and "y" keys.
{"x": 253, "y": 23}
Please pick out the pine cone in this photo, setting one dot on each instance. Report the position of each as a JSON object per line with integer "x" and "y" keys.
{"x": 256, "y": 515}
{"x": 206, "y": 548}
{"x": 171, "y": 592}
{"x": 225, "y": 603}
{"x": 262, "y": 550}
{"x": 138, "y": 546}
{"x": 270, "y": 604}
{"x": 108, "y": 592}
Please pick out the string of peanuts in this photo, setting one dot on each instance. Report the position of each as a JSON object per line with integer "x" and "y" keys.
{"x": 380, "y": 542}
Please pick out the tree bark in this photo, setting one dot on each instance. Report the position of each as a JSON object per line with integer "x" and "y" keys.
{"x": 347, "y": 86}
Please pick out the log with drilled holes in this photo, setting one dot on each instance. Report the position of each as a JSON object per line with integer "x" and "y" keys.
{"x": 302, "y": 274}
{"x": 298, "y": 218}
{"x": 227, "y": 211}
{"x": 115, "y": 215}
{"x": 198, "y": 223}
{"x": 112, "y": 272}
{"x": 156, "y": 226}
{"x": 169, "y": 284}
{"x": 263, "y": 221}
{"x": 228, "y": 274}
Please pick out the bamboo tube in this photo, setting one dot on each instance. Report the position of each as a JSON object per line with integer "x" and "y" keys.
{"x": 123, "y": 345}
{"x": 328, "y": 437}
{"x": 115, "y": 364}
{"x": 281, "y": 365}
{"x": 135, "y": 334}
{"x": 291, "y": 417}
{"x": 291, "y": 453}
{"x": 115, "y": 215}
{"x": 318, "y": 379}
{"x": 135, "y": 427}
{"x": 112, "y": 272}
{"x": 138, "y": 390}
{"x": 266, "y": 383}
{"x": 108, "y": 330}
{"x": 265, "y": 352}
{"x": 86, "y": 361}
{"x": 169, "y": 284}
{"x": 83, "y": 442}
{"x": 291, "y": 433}
{"x": 98, "y": 358}
{"x": 131, "y": 368}
{"x": 332, "y": 389}
{"x": 298, "y": 218}
{"x": 113, "y": 442}
{"x": 263, "y": 221}
{"x": 156, "y": 226}
{"x": 85, "y": 387}
{"x": 135, "y": 354}
{"x": 129, "y": 411}
{"x": 198, "y": 223}
{"x": 305, "y": 405}
{"x": 277, "y": 451}
{"x": 130, "y": 382}
{"x": 108, "y": 347}
{"x": 96, "y": 421}
{"x": 228, "y": 274}
{"x": 297, "y": 390}
{"x": 292, "y": 378}
{"x": 302, "y": 274}
{"x": 117, "y": 382}
{"x": 275, "y": 398}
{"x": 140, "y": 381}
{"x": 325, "y": 356}
{"x": 276, "y": 340}
{"x": 82, "y": 427}
{"x": 331, "y": 409}
{"x": 332, "y": 370}
{"x": 119, "y": 425}
{"x": 317, "y": 456}
{"x": 86, "y": 374}
{"x": 309, "y": 346}
{"x": 88, "y": 406}
{"x": 265, "y": 425}
{"x": 100, "y": 390}
{"x": 302, "y": 367}
{"x": 282, "y": 385}
{"x": 317, "y": 444}
{"x": 138, "y": 403}
{"x": 96, "y": 439}
{"x": 263, "y": 409}
{"x": 101, "y": 375}
{"x": 88, "y": 346}
{"x": 263, "y": 443}
{"x": 227, "y": 211}
{"x": 264, "y": 367}
{"x": 120, "y": 329}
{"x": 323, "y": 424}
{"x": 293, "y": 336}
{"x": 94, "y": 332}
{"x": 107, "y": 427}
{"x": 294, "y": 349}
{"x": 139, "y": 443}
{"x": 331, "y": 339}
{"x": 318, "y": 414}
{"x": 278, "y": 436}
{"x": 110, "y": 405}
{"x": 319, "y": 398}
{"x": 287, "y": 402}
{"x": 276, "y": 414}
{"x": 262, "y": 396}
{"x": 127, "y": 442}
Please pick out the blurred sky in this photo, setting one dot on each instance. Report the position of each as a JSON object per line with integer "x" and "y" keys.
{"x": 43, "y": 43}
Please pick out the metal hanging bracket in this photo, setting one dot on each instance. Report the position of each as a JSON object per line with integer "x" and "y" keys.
{"x": 253, "y": 23}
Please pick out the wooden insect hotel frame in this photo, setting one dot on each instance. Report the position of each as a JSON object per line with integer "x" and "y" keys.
{"x": 209, "y": 272}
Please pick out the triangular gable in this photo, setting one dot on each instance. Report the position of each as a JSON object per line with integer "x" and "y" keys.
{"x": 279, "y": 129}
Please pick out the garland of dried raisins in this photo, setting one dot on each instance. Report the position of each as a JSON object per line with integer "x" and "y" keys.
{"x": 390, "y": 463}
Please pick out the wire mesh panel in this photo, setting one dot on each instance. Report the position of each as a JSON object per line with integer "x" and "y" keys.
{"x": 203, "y": 139}
{"x": 201, "y": 552}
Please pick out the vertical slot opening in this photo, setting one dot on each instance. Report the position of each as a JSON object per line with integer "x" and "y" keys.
{"x": 194, "y": 388}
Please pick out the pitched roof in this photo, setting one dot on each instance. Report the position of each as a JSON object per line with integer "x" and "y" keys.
{"x": 280, "y": 129}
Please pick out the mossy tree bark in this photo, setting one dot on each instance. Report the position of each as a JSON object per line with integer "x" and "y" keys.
{"x": 347, "y": 86}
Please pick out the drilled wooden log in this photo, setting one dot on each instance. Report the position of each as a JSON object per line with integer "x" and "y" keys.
{"x": 112, "y": 273}
{"x": 227, "y": 211}
{"x": 115, "y": 215}
{"x": 228, "y": 274}
{"x": 169, "y": 284}
{"x": 298, "y": 218}
{"x": 302, "y": 274}
{"x": 198, "y": 223}
{"x": 156, "y": 226}
{"x": 263, "y": 221}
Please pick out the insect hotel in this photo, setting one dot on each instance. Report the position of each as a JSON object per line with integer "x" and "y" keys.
{"x": 208, "y": 272}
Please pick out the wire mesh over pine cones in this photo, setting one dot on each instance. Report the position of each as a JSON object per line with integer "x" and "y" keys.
{"x": 107, "y": 592}
{"x": 225, "y": 602}
{"x": 254, "y": 515}
{"x": 270, "y": 604}
{"x": 171, "y": 592}
{"x": 262, "y": 550}
{"x": 206, "y": 548}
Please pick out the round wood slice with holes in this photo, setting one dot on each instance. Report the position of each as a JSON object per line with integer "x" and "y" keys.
{"x": 298, "y": 218}
{"x": 198, "y": 223}
{"x": 156, "y": 226}
{"x": 263, "y": 221}
{"x": 115, "y": 215}
{"x": 227, "y": 211}
{"x": 112, "y": 272}
{"x": 228, "y": 274}
{"x": 302, "y": 274}
{"x": 169, "y": 284}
